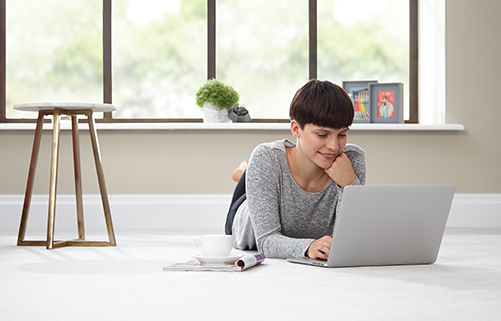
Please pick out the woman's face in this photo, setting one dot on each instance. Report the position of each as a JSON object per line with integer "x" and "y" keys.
{"x": 321, "y": 145}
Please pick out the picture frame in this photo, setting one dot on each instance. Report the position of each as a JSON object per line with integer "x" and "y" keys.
{"x": 386, "y": 103}
{"x": 359, "y": 94}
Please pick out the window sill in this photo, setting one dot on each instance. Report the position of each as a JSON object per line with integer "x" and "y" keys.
{"x": 231, "y": 126}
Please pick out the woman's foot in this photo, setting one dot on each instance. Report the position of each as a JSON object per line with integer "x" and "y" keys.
{"x": 239, "y": 171}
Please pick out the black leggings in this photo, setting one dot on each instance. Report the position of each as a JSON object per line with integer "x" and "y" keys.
{"x": 237, "y": 199}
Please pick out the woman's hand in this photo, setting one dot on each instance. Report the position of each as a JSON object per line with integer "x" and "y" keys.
{"x": 341, "y": 171}
{"x": 320, "y": 248}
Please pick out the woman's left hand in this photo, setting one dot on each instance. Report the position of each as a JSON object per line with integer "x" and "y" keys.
{"x": 341, "y": 171}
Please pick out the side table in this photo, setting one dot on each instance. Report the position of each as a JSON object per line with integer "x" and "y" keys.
{"x": 70, "y": 109}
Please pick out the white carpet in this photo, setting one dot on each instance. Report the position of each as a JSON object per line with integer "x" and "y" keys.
{"x": 127, "y": 283}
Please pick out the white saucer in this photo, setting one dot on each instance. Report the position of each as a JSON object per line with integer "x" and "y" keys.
{"x": 217, "y": 260}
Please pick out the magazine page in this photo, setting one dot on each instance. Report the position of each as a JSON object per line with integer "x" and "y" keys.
{"x": 245, "y": 262}
{"x": 248, "y": 261}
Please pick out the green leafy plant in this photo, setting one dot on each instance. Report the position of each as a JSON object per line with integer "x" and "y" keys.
{"x": 219, "y": 94}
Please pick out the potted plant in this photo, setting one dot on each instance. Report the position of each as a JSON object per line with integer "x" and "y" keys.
{"x": 239, "y": 114}
{"x": 215, "y": 99}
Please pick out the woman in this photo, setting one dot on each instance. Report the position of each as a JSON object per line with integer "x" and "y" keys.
{"x": 285, "y": 203}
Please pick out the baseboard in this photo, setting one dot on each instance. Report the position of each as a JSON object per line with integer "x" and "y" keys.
{"x": 185, "y": 212}
{"x": 129, "y": 212}
{"x": 475, "y": 210}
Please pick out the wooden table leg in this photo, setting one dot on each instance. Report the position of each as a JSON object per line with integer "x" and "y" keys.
{"x": 100, "y": 176}
{"x": 53, "y": 178}
{"x": 78, "y": 176}
{"x": 31, "y": 177}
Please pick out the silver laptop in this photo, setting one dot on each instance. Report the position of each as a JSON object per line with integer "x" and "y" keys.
{"x": 388, "y": 225}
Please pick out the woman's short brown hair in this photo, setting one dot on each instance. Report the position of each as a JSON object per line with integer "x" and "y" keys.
{"x": 322, "y": 103}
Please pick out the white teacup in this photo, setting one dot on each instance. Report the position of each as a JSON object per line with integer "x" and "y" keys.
{"x": 213, "y": 245}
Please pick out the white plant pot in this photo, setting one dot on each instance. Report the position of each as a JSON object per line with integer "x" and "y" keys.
{"x": 214, "y": 115}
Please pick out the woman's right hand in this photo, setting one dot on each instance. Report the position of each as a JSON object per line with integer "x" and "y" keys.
{"x": 341, "y": 171}
{"x": 319, "y": 249}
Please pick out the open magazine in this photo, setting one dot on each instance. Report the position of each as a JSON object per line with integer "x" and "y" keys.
{"x": 242, "y": 264}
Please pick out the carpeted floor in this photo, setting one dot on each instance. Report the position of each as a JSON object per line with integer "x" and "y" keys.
{"x": 127, "y": 283}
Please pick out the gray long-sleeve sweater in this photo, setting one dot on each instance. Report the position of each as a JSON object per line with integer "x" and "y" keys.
{"x": 278, "y": 215}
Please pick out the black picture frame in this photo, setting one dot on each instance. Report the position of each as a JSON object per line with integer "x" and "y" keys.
{"x": 386, "y": 103}
{"x": 359, "y": 94}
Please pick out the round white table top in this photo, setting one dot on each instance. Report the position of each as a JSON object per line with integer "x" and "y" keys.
{"x": 65, "y": 105}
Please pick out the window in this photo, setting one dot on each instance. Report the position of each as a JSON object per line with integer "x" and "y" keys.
{"x": 149, "y": 57}
{"x": 53, "y": 53}
{"x": 364, "y": 40}
{"x": 264, "y": 56}
{"x": 159, "y": 57}
{"x": 432, "y": 62}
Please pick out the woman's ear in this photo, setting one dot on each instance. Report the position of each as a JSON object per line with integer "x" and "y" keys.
{"x": 295, "y": 128}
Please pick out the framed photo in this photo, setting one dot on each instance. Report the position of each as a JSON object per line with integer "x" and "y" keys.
{"x": 359, "y": 93}
{"x": 386, "y": 102}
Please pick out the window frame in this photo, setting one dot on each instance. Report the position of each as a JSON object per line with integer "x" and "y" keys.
{"x": 211, "y": 63}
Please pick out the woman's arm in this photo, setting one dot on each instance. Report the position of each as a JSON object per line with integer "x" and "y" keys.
{"x": 320, "y": 248}
{"x": 263, "y": 198}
